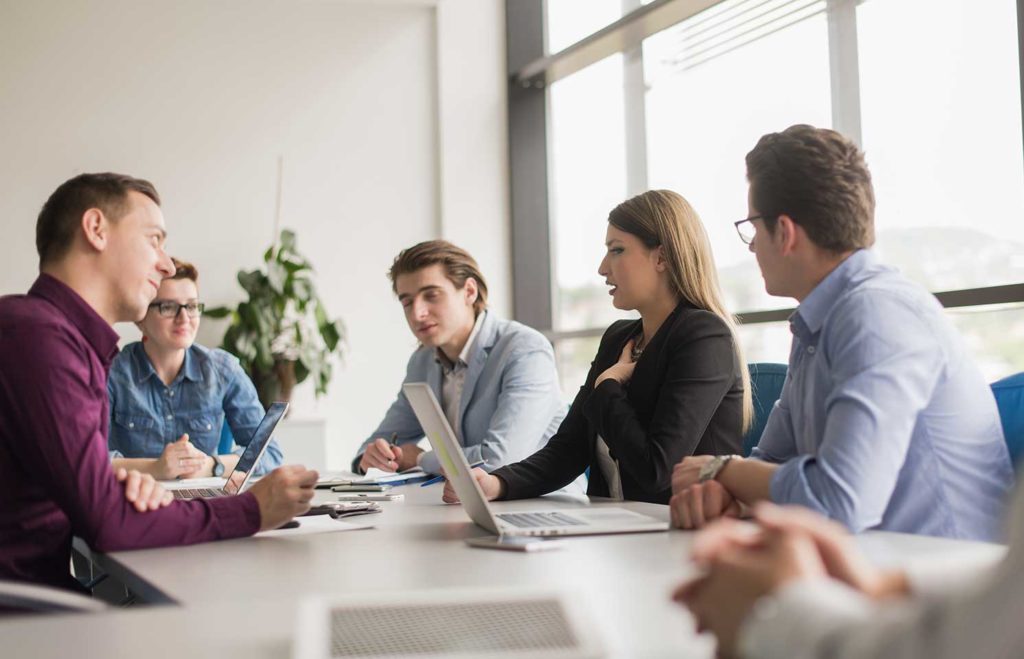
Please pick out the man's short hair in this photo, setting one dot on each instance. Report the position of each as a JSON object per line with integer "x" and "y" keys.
{"x": 819, "y": 179}
{"x": 62, "y": 213}
{"x": 185, "y": 270}
{"x": 458, "y": 267}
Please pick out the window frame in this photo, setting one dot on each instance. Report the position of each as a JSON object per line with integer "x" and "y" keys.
{"x": 531, "y": 71}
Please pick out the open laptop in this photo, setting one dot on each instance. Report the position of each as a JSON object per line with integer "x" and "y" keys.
{"x": 244, "y": 468}
{"x": 566, "y": 521}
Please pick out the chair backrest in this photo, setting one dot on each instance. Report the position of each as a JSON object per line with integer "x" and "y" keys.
{"x": 18, "y": 596}
{"x": 1009, "y": 393}
{"x": 227, "y": 440}
{"x": 766, "y": 381}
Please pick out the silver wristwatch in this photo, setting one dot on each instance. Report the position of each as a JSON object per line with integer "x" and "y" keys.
{"x": 710, "y": 470}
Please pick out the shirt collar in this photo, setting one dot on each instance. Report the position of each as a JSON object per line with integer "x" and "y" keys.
{"x": 815, "y": 308}
{"x": 97, "y": 332}
{"x": 144, "y": 370}
{"x": 464, "y": 355}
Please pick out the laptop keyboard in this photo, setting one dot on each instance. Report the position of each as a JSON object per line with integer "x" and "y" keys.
{"x": 472, "y": 629}
{"x": 198, "y": 493}
{"x": 536, "y": 520}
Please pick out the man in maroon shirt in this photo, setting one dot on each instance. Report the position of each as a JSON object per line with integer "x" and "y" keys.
{"x": 100, "y": 239}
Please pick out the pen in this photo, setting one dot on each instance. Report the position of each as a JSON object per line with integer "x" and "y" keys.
{"x": 438, "y": 479}
{"x": 391, "y": 443}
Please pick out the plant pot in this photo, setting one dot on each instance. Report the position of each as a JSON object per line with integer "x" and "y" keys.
{"x": 277, "y": 384}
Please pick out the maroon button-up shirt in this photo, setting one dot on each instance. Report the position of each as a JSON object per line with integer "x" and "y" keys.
{"x": 55, "y": 474}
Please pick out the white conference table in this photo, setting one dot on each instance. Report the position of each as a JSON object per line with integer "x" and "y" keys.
{"x": 238, "y": 598}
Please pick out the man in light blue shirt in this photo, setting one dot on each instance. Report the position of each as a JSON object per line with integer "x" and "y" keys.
{"x": 884, "y": 422}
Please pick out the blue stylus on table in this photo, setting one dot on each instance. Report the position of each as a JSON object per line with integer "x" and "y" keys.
{"x": 438, "y": 479}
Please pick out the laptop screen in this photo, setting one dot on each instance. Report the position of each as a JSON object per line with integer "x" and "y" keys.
{"x": 254, "y": 451}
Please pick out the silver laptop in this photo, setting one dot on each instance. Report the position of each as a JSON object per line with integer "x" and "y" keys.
{"x": 567, "y": 521}
{"x": 244, "y": 468}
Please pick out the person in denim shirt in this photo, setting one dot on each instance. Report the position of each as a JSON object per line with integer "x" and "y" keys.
{"x": 169, "y": 398}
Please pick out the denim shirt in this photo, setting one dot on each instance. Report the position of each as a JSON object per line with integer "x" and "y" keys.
{"x": 210, "y": 388}
{"x": 884, "y": 421}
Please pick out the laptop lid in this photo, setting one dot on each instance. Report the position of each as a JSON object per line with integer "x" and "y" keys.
{"x": 246, "y": 465}
{"x": 442, "y": 439}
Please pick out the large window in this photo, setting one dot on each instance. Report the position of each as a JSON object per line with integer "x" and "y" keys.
{"x": 931, "y": 90}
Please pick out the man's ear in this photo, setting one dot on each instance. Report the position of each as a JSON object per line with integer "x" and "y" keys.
{"x": 788, "y": 233}
{"x": 95, "y": 229}
{"x": 470, "y": 290}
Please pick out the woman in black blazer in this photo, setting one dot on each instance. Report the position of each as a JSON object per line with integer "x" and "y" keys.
{"x": 671, "y": 384}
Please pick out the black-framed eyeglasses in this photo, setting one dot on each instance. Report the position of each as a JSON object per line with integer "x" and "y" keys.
{"x": 169, "y": 309}
{"x": 745, "y": 228}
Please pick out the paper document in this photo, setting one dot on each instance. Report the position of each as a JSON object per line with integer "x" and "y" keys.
{"x": 314, "y": 524}
{"x": 380, "y": 476}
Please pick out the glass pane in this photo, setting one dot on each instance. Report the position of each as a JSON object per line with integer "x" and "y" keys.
{"x": 568, "y": 21}
{"x": 574, "y": 357}
{"x": 942, "y": 133}
{"x": 766, "y": 342}
{"x": 711, "y": 97}
{"x": 995, "y": 337}
{"x": 588, "y": 179}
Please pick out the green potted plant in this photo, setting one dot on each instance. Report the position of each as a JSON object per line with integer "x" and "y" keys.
{"x": 282, "y": 333}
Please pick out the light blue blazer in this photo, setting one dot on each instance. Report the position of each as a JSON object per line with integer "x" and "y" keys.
{"x": 511, "y": 401}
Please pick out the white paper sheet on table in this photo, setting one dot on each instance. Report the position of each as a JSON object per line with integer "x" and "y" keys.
{"x": 315, "y": 524}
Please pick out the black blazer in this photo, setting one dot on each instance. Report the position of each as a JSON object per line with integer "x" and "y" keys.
{"x": 685, "y": 398}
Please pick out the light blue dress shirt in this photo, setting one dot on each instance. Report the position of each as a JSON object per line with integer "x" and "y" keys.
{"x": 210, "y": 388}
{"x": 884, "y": 421}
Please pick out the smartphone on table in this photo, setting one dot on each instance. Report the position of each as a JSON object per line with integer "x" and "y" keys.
{"x": 515, "y": 543}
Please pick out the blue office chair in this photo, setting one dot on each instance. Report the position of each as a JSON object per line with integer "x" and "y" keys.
{"x": 1009, "y": 393}
{"x": 765, "y": 387}
{"x": 227, "y": 440}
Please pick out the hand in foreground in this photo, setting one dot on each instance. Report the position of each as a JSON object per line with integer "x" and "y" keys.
{"x": 180, "y": 459}
{"x": 687, "y": 472}
{"x": 740, "y": 573}
{"x": 699, "y": 504}
{"x": 283, "y": 493}
{"x": 843, "y": 560}
{"x": 143, "y": 490}
{"x": 491, "y": 485}
{"x": 621, "y": 370}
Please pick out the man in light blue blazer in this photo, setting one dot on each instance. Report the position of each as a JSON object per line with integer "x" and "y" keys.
{"x": 495, "y": 379}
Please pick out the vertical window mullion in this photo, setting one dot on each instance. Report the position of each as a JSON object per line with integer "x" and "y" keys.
{"x": 845, "y": 68}
{"x": 635, "y": 114}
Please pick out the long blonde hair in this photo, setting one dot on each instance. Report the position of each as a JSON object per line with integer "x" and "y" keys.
{"x": 662, "y": 218}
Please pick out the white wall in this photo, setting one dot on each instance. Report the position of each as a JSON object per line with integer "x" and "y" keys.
{"x": 389, "y": 115}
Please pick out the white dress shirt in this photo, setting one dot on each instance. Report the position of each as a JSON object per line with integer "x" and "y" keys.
{"x": 453, "y": 378}
{"x": 609, "y": 469}
{"x": 954, "y": 613}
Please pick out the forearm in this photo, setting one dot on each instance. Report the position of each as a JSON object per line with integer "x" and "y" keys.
{"x": 748, "y": 480}
{"x": 229, "y": 461}
{"x": 143, "y": 465}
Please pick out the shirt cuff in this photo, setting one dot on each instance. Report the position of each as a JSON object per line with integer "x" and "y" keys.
{"x": 236, "y": 516}
{"x": 789, "y": 485}
{"x": 428, "y": 462}
{"x": 795, "y": 621}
